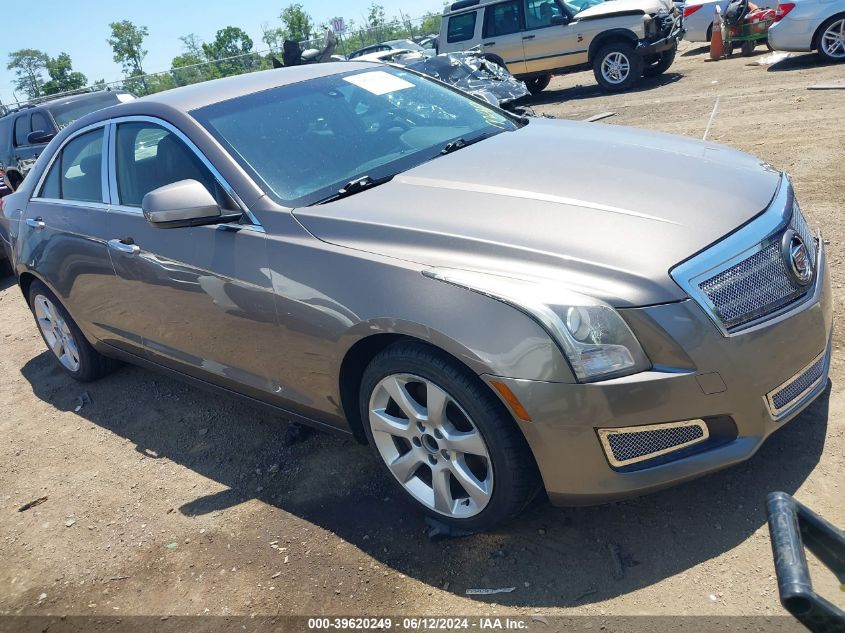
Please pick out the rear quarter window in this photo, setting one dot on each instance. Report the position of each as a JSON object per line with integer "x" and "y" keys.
{"x": 461, "y": 27}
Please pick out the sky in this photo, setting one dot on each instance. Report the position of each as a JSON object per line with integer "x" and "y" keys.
{"x": 81, "y": 28}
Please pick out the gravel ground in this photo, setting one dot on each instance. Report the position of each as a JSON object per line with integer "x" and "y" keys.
{"x": 162, "y": 499}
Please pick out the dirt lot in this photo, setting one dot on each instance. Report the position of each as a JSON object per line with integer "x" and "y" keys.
{"x": 162, "y": 499}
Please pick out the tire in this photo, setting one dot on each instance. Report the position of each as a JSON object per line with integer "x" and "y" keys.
{"x": 617, "y": 58}
{"x": 829, "y": 47}
{"x": 495, "y": 59}
{"x": 495, "y": 456}
{"x": 748, "y": 48}
{"x": 659, "y": 64}
{"x": 729, "y": 49}
{"x": 538, "y": 84}
{"x": 72, "y": 351}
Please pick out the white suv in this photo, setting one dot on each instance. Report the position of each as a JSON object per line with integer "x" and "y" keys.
{"x": 622, "y": 40}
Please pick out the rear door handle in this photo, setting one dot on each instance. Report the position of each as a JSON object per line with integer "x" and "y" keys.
{"x": 126, "y": 245}
{"x": 528, "y": 37}
{"x": 38, "y": 224}
{"x": 489, "y": 43}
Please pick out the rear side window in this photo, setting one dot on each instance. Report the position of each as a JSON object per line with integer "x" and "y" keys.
{"x": 77, "y": 174}
{"x": 461, "y": 27}
{"x": 502, "y": 19}
{"x": 22, "y": 130}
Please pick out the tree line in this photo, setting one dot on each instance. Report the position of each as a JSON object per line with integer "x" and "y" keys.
{"x": 231, "y": 52}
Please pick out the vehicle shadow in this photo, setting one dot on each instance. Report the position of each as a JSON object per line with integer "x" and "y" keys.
{"x": 551, "y": 96}
{"x": 797, "y": 61}
{"x": 698, "y": 50}
{"x": 7, "y": 282}
{"x": 554, "y": 557}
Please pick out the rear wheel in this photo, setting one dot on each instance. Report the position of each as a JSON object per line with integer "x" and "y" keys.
{"x": 63, "y": 337}
{"x": 446, "y": 440}
{"x": 538, "y": 84}
{"x": 748, "y": 48}
{"x": 831, "y": 45}
{"x": 617, "y": 67}
{"x": 660, "y": 63}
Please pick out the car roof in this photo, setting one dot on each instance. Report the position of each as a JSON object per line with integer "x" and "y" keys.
{"x": 207, "y": 93}
{"x": 466, "y": 5}
{"x": 61, "y": 100}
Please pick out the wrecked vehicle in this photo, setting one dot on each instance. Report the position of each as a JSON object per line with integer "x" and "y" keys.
{"x": 621, "y": 40}
{"x": 475, "y": 75}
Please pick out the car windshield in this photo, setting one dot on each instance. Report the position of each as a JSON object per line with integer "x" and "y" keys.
{"x": 576, "y": 6}
{"x": 303, "y": 142}
{"x": 406, "y": 44}
{"x": 66, "y": 113}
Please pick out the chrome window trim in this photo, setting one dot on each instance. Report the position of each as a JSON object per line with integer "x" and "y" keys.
{"x": 40, "y": 184}
{"x": 112, "y": 178}
{"x": 72, "y": 203}
{"x": 747, "y": 241}
{"x": 604, "y": 438}
{"x": 778, "y": 413}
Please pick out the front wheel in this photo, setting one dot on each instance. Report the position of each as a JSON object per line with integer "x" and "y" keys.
{"x": 448, "y": 443}
{"x": 660, "y": 63}
{"x": 617, "y": 67}
{"x": 832, "y": 40}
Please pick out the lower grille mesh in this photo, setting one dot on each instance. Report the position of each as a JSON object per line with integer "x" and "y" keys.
{"x": 786, "y": 395}
{"x": 636, "y": 444}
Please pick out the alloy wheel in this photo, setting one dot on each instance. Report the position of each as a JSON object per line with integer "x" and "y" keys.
{"x": 431, "y": 445}
{"x": 615, "y": 67}
{"x": 56, "y": 333}
{"x": 833, "y": 40}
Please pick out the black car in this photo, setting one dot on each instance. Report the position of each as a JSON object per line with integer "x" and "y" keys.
{"x": 26, "y": 131}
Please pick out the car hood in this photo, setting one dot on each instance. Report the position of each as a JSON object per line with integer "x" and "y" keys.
{"x": 624, "y": 7}
{"x": 602, "y": 209}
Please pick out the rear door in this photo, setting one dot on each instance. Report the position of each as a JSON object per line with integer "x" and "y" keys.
{"x": 549, "y": 41}
{"x": 197, "y": 299}
{"x": 502, "y": 34}
{"x": 64, "y": 231}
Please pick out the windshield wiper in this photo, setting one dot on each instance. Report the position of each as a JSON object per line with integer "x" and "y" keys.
{"x": 460, "y": 143}
{"x": 355, "y": 186}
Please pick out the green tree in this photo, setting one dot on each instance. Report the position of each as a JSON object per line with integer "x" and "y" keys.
{"x": 298, "y": 24}
{"x": 230, "y": 42}
{"x": 127, "y": 42}
{"x": 28, "y": 65}
{"x": 273, "y": 37}
{"x": 430, "y": 24}
{"x": 62, "y": 75}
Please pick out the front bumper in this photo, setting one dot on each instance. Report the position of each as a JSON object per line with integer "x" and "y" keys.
{"x": 698, "y": 374}
{"x": 654, "y": 47}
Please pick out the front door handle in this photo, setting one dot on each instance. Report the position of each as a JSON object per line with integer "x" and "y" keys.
{"x": 38, "y": 224}
{"x": 528, "y": 37}
{"x": 125, "y": 245}
{"x": 489, "y": 43}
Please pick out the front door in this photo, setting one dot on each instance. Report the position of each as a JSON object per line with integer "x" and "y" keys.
{"x": 197, "y": 299}
{"x": 502, "y": 34}
{"x": 550, "y": 41}
{"x": 25, "y": 153}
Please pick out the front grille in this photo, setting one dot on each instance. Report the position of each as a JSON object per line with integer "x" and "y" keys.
{"x": 796, "y": 388}
{"x": 625, "y": 446}
{"x": 760, "y": 284}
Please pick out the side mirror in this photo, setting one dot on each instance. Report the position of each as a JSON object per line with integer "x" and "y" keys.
{"x": 38, "y": 137}
{"x": 180, "y": 204}
{"x": 559, "y": 20}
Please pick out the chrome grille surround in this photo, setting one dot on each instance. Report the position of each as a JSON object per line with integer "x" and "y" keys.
{"x": 634, "y": 444}
{"x": 743, "y": 280}
{"x": 783, "y": 398}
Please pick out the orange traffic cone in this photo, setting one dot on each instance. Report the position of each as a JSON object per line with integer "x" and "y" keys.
{"x": 717, "y": 44}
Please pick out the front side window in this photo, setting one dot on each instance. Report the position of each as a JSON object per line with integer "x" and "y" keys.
{"x": 149, "y": 156}
{"x": 304, "y": 141}
{"x": 22, "y": 130}
{"x": 461, "y": 27}
{"x": 541, "y": 13}
{"x": 40, "y": 123}
{"x": 77, "y": 173}
{"x": 502, "y": 19}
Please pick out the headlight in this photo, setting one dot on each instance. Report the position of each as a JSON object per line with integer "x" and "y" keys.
{"x": 592, "y": 335}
